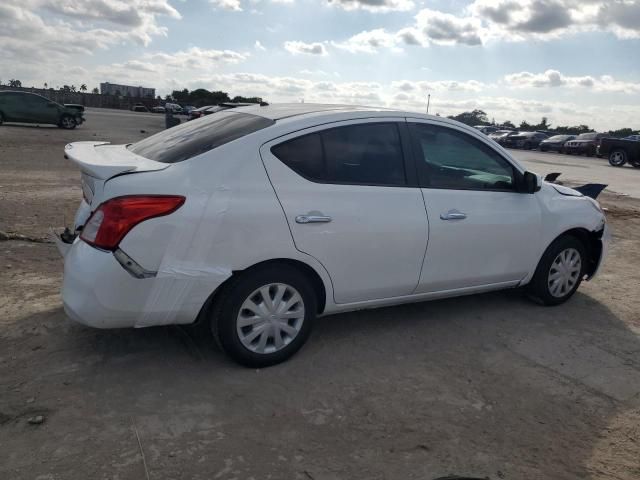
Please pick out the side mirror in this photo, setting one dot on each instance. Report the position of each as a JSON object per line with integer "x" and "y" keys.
{"x": 529, "y": 183}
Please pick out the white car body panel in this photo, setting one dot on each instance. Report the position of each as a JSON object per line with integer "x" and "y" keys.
{"x": 373, "y": 246}
{"x": 232, "y": 220}
{"x": 492, "y": 245}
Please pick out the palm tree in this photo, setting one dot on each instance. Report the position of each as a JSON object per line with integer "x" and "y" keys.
{"x": 83, "y": 87}
{"x": 45, "y": 85}
{"x": 95, "y": 90}
{"x": 15, "y": 83}
{"x": 73, "y": 88}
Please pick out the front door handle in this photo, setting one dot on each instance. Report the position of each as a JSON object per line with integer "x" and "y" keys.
{"x": 313, "y": 219}
{"x": 453, "y": 215}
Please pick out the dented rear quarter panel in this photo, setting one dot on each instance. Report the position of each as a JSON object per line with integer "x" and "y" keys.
{"x": 231, "y": 220}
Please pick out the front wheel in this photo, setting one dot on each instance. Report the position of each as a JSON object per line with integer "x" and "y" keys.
{"x": 559, "y": 272}
{"x": 1, "y": 118}
{"x": 527, "y": 146}
{"x": 264, "y": 316}
{"x": 68, "y": 122}
{"x": 617, "y": 158}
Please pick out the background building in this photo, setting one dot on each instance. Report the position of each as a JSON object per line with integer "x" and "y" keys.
{"x": 107, "y": 88}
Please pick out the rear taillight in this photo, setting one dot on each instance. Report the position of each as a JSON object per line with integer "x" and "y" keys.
{"x": 113, "y": 219}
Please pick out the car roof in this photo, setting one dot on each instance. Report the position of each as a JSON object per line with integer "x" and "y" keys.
{"x": 280, "y": 111}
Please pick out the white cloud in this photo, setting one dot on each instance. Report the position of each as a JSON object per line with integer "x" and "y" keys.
{"x": 368, "y": 41}
{"x": 520, "y": 20}
{"x": 553, "y": 78}
{"x": 233, "y": 5}
{"x": 439, "y": 86}
{"x": 258, "y": 46}
{"x": 296, "y": 48}
{"x": 378, "y": 6}
{"x": 46, "y": 30}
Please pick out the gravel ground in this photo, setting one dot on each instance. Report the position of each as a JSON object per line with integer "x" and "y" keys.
{"x": 483, "y": 386}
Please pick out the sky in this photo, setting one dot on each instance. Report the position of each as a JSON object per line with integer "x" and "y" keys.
{"x": 573, "y": 61}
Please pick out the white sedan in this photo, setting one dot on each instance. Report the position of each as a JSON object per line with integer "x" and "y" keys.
{"x": 258, "y": 219}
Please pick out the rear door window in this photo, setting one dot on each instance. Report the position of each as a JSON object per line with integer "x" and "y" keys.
{"x": 363, "y": 154}
{"x": 193, "y": 138}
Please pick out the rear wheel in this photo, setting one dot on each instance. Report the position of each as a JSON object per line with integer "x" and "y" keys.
{"x": 68, "y": 122}
{"x": 559, "y": 272}
{"x": 527, "y": 146}
{"x": 265, "y": 315}
{"x": 1, "y": 118}
{"x": 617, "y": 158}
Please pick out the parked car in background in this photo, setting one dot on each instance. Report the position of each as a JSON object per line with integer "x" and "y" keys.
{"x": 186, "y": 225}
{"x": 486, "y": 129}
{"x": 555, "y": 143}
{"x": 525, "y": 140}
{"x": 173, "y": 108}
{"x": 204, "y": 111}
{"x": 158, "y": 109}
{"x": 584, "y": 144}
{"x": 500, "y": 135}
{"x": 25, "y": 107}
{"x": 635, "y": 138}
{"x": 139, "y": 107}
{"x": 620, "y": 151}
{"x": 209, "y": 109}
{"x": 186, "y": 110}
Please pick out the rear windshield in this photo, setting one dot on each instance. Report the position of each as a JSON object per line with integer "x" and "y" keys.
{"x": 192, "y": 138}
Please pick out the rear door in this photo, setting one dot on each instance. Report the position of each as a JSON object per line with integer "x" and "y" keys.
{"x": 344, "y": 192}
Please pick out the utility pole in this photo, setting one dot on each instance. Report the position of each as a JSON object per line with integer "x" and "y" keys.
{"x": 428, "y": 102}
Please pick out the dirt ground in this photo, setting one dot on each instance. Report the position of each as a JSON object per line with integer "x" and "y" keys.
{"x": 489, "y": 386}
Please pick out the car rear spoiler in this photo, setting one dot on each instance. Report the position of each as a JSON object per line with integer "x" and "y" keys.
{"x": 103, "y": 161}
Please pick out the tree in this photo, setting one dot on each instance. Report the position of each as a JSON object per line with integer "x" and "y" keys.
{"x": 45, "y": 85}
{"x": 73, "y": 88}
{"x": 239, "y": 99}
{"x": 83, "y": 87}
{"x": 14, "y": 83}
{"x": 95, "y": 91}
{"x": 508, "y": 124}
{"x": 622, "y": 132}
{"x": 476, "y": 117}
{"x": 66, "y": 88}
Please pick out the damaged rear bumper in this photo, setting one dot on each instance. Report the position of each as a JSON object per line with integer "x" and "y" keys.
{"x": 98, "y": 291}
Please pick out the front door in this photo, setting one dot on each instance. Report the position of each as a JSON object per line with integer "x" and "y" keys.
{"x": 481, "y": 230}
{"x": 344, "y": 192}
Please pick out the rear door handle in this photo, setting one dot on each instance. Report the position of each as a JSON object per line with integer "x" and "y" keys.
{"x": 313, "y": 219}
{"x": 453, "y": 215}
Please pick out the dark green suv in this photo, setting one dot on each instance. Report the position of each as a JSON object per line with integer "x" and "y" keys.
{"x": 26, "y": 107}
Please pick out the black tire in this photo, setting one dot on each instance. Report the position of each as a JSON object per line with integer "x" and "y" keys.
{"x": 617, "y": 158}
{"x": 226, "y": 309}
{"x": 527, "y": 146}
{"x": 1, "y": 118}
{"x": 539, "y": 287}
{"x": 67, "y": 122}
